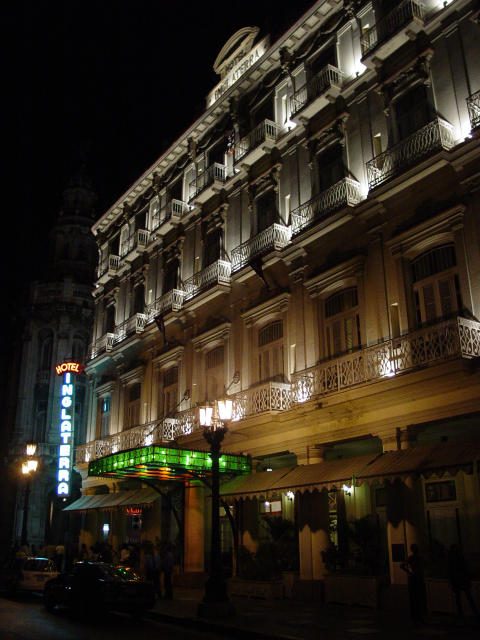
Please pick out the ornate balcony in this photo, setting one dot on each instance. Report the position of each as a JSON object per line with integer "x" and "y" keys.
{"x": 171, "y": 301}
{"x": 208, "y": 182}
{"x": 345, "y": 193}
{"x": 102, "y": 345}
{"x": 274, "y": 238}
{"x": 135, "y": 244}
{"x": 258, "y": 142}
{"x": 473, "y": 104}
{"x": 142, "y": 435}
{"x": 455, "y": 338}
{"x": 107, "y": 268}
{"x": 134, "y": 324}
{"x": 217, "y": 273}
{"x": 435, "y": 136}
{"x": 389, "y": 33}
{"x": 269, "y": 396}
{"x": 317, "y": 93}
{"x": 170, "y": 215}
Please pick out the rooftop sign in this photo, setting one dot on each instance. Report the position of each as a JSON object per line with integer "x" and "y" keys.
{"x": 239, "y": 67}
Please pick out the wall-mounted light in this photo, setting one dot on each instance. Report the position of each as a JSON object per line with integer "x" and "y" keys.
{"x": 266, "y": 504}
{"x": 347, "y": 489}
{"x": 106, "y": 528}
{"x": 290, "y": 495}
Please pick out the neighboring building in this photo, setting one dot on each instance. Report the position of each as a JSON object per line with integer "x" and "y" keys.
{"x": 56, "y": 324}
{"x": 310, "y": 245}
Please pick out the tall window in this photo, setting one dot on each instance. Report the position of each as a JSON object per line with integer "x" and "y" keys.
{"x": 215, "y": 374}
{"x": 266, "y": 208}
{"x": 46, "y": 345}
{"x": 132, "y": 413}
{"x": 105, "y": 405}
{"x": 411, "y": 111}
{"x": 109, "y": 319}
{"x": 213, "y": 247}
{"x": 342, "y": 322}
{"x": 330, "y": 167}
{"x": 270, "y": 352}
{"x": 436, "y": 287}
{"x": 170, "y": 391}
{"x": 139, "y": 298}
{"x": 171, "y": 275}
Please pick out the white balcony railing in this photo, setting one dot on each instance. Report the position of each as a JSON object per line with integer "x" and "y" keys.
{"x": 473, "y": 105}
{"x": 269, "y": 396}
{"x": 173, "y": 211}
{"x": 401, "y": 16}
{"x": 345, "y": 193}
{"x": 455, "y": 338}
{"x": 102, "y": 345}
{"x": 215, "y": 173}
{"x": 109, "y": 265}
{"x": 216, "y": 273}
{"x": 266, "y": 131}
{"x": 171, "y": 301}
{"x": 435, "y": 136}
{"x": 274, "y": 238}
{"x": 328, "y": 77}
{"x": 134, "y": 324}
{"x": 136, "y": 241}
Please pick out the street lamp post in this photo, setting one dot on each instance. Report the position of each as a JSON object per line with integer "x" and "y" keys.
{"x": 29, "y": 466}
{"x": 215, "y": 602}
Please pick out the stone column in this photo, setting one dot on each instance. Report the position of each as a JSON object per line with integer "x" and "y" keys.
{"x": 313, "y": 534}
{"x": 194, "y": 528}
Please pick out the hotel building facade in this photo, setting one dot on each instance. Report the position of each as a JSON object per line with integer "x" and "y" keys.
{"x": 310, "y": 247}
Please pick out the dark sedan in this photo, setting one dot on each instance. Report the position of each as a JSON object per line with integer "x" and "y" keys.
{"x": 91, "y": 586}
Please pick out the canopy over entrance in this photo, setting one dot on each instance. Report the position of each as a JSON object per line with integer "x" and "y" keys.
{"x": 165, "y": 463}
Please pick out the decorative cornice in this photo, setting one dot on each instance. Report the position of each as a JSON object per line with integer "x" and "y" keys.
{"x": 338, "y": 277}
{"x": 208, "y": 339}
{"x": 171, "y": 357}
{"x": 264, "y": 311}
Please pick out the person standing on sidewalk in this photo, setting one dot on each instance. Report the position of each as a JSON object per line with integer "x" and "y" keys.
{"x": 459, "y": 579}
{"x": 416, "y": 585}
{"x": 167, "y": 568}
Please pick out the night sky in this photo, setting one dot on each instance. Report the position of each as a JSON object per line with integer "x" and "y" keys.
{"x": 113, "y": 81}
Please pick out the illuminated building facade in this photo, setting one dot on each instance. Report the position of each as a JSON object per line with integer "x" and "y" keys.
{"x": 310, "y": 246}
{"x": 55, "y": 328}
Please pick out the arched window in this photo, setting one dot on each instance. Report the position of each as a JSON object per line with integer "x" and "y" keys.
{"x": 270, "y": 352}
{"x": 342, "y": 322}
{"x": 78, "y": 349}
{"x": 436, "y": 288}
{"x": 46, "y": 346}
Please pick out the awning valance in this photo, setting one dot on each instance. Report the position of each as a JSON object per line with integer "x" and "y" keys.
{"x": 426, "y": 460}
{"x": 118, "y": 499}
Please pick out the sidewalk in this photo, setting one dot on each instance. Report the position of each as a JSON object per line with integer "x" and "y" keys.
{"x": 294, "y": 620}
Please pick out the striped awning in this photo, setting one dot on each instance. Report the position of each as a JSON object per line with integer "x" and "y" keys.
{"x": 115, "y": 500}
{"x": 441, "y": 459}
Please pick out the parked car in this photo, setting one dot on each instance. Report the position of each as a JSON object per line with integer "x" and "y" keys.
{"x": 99, "y": 586}
{"x": 27, "y": 574}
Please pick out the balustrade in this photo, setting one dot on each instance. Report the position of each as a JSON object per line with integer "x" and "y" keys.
{"x": 385, "y": 28}
{"x": 265, "y": 131}
{"x": 345, "y": 193}
{"x": 274, "y": 238}
{"x": 105, "y": 343}
{"x": 473, "y": 105}
{"x": 171, "y": 301}
{"x": 134, "y": 324}
{"x": 449, "y": 339}
{"x": 215, "y": 173}
{"x": 328, "y": 77}
{"x": 435, "y": 136}
{"x": 216, "y": 273}
{"x": 269, "y": 396}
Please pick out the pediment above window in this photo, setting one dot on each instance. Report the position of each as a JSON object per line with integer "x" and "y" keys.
{"x": 267, "y": 310}
{"x": 338, "y": 277}
{"x": 209, "y": 339}
{"x": 169, "y": 358}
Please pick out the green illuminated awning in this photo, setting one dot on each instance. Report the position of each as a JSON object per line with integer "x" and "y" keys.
{"x": 165, "y": 463}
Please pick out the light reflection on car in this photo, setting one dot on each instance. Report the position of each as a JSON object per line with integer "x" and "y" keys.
{"x": 91, "y": 586}
{"x": 28, "y": 574}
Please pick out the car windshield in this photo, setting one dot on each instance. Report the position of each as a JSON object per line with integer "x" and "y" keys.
{"x": 106, "y": 572}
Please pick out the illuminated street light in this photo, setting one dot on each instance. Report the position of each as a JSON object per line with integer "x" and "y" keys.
{"x": 29, "y": 467}
{"x": 215, "y": 603}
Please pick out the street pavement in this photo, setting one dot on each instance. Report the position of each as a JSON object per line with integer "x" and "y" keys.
{"x": 292, "y": 620}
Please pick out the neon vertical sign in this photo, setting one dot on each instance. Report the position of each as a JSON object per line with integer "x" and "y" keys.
{"x": 66, "y": 425}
